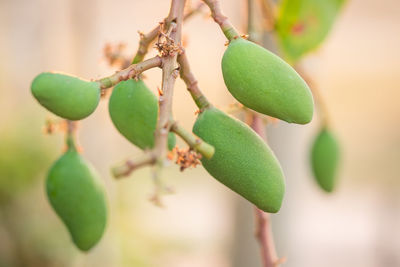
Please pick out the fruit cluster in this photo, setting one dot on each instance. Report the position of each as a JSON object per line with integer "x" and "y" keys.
{"x": 232, "y": 152}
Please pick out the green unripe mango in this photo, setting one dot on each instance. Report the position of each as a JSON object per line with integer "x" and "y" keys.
{"x": 66, "y": 96}
{"x": 265, "y": 83}
{"x": 133, "y": 109}
{"x": 77, "y": 195}
{"x": 242, "y": 160}
{"x": 324, "y": 159}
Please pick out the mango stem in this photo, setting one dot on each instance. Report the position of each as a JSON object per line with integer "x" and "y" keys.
{"x": 70, "y": 135}
{"x": 191, "y": 82}
{"x": 226, "y": 26}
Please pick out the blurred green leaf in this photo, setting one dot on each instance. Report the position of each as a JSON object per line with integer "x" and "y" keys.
{"x": 302, "y": 25}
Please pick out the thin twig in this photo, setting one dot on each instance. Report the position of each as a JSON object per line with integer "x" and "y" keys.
{"x": 222, "y": 20}
{"x": 191, "y": 82}
{"x": 127, "y": 167}
{"x": 70, "y": 133}
{"x": 147, "y": 39}
{"x": 130, "y": 72}
{"x": 263, "y": 222}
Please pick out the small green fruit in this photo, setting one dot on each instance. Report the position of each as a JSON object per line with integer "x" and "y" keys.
{"x": 325, "y": 159}
{"x": 66, "y": 96}
{"x": 242, "y": 161}
{"x": 134, "y": 111}
{"x": 265, "y": 83}
{"x": 77, "y": 195}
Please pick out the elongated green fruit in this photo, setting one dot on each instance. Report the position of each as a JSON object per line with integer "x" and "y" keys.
{"x": 324, "y": 159}
{"x": 242, "y": 161}
{"x": 77, "y": 195}
{"x": 134, "y": 111}
{"x": 265, "y": 83}
{"x": 66, "y": 96}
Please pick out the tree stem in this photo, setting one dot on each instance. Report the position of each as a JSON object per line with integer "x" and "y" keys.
{"x": 129, "y": 166}
{"x": 263, "y": 221}
{"x": 147, "y": 39}
{"x": 169, "y": 75}
{"x": 191, "y": 82}
{"x": 130, "y": 72}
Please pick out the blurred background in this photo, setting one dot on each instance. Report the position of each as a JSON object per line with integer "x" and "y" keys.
{"x": 203, "y": 223}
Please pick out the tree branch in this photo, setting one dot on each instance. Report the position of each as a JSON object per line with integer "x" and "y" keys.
{"x": 130, "y": 72}
{"x": 226, "y": 26}
{"x": 147, "y": 39}
{"x": 126, "y": 168}
{"x": 263, "y": 221}
{"x": 169, "y": 74}
{"x": 191, "y": 82}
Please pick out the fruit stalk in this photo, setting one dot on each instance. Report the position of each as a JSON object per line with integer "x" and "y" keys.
{"x": 130, "y": 72}
{"x": 226, "y": 26}
{"x": 195, "y": 143}
{"x": 191, "y": 82}
{"x": 71, "y": 130}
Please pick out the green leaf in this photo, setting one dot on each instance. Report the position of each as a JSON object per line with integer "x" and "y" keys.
{"x": 302, "y": 25}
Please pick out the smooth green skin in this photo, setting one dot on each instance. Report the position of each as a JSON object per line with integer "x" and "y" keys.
{"x": 302, "y": 25}
{"x": 324, "y": 159}
{"x": 265, "y": 83}
{"x": 77, "y": 195}
{"x": 133, "y": 109}
{"x": 66, "y": 96}
{"x": 242, "y": 160}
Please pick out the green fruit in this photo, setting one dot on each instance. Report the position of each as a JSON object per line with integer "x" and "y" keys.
{"x": 324, "y": 159}
{"x": 265, "y": 83}
{"x": 302, "y": 25}
{"x": 242, "y": 161}
{"x": 77, "y": 195}
{"x": 134, "y": 111}
{"x": 66, "y": 96}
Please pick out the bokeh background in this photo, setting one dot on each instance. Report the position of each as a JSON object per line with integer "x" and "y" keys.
{"x": 203, "y": 223}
